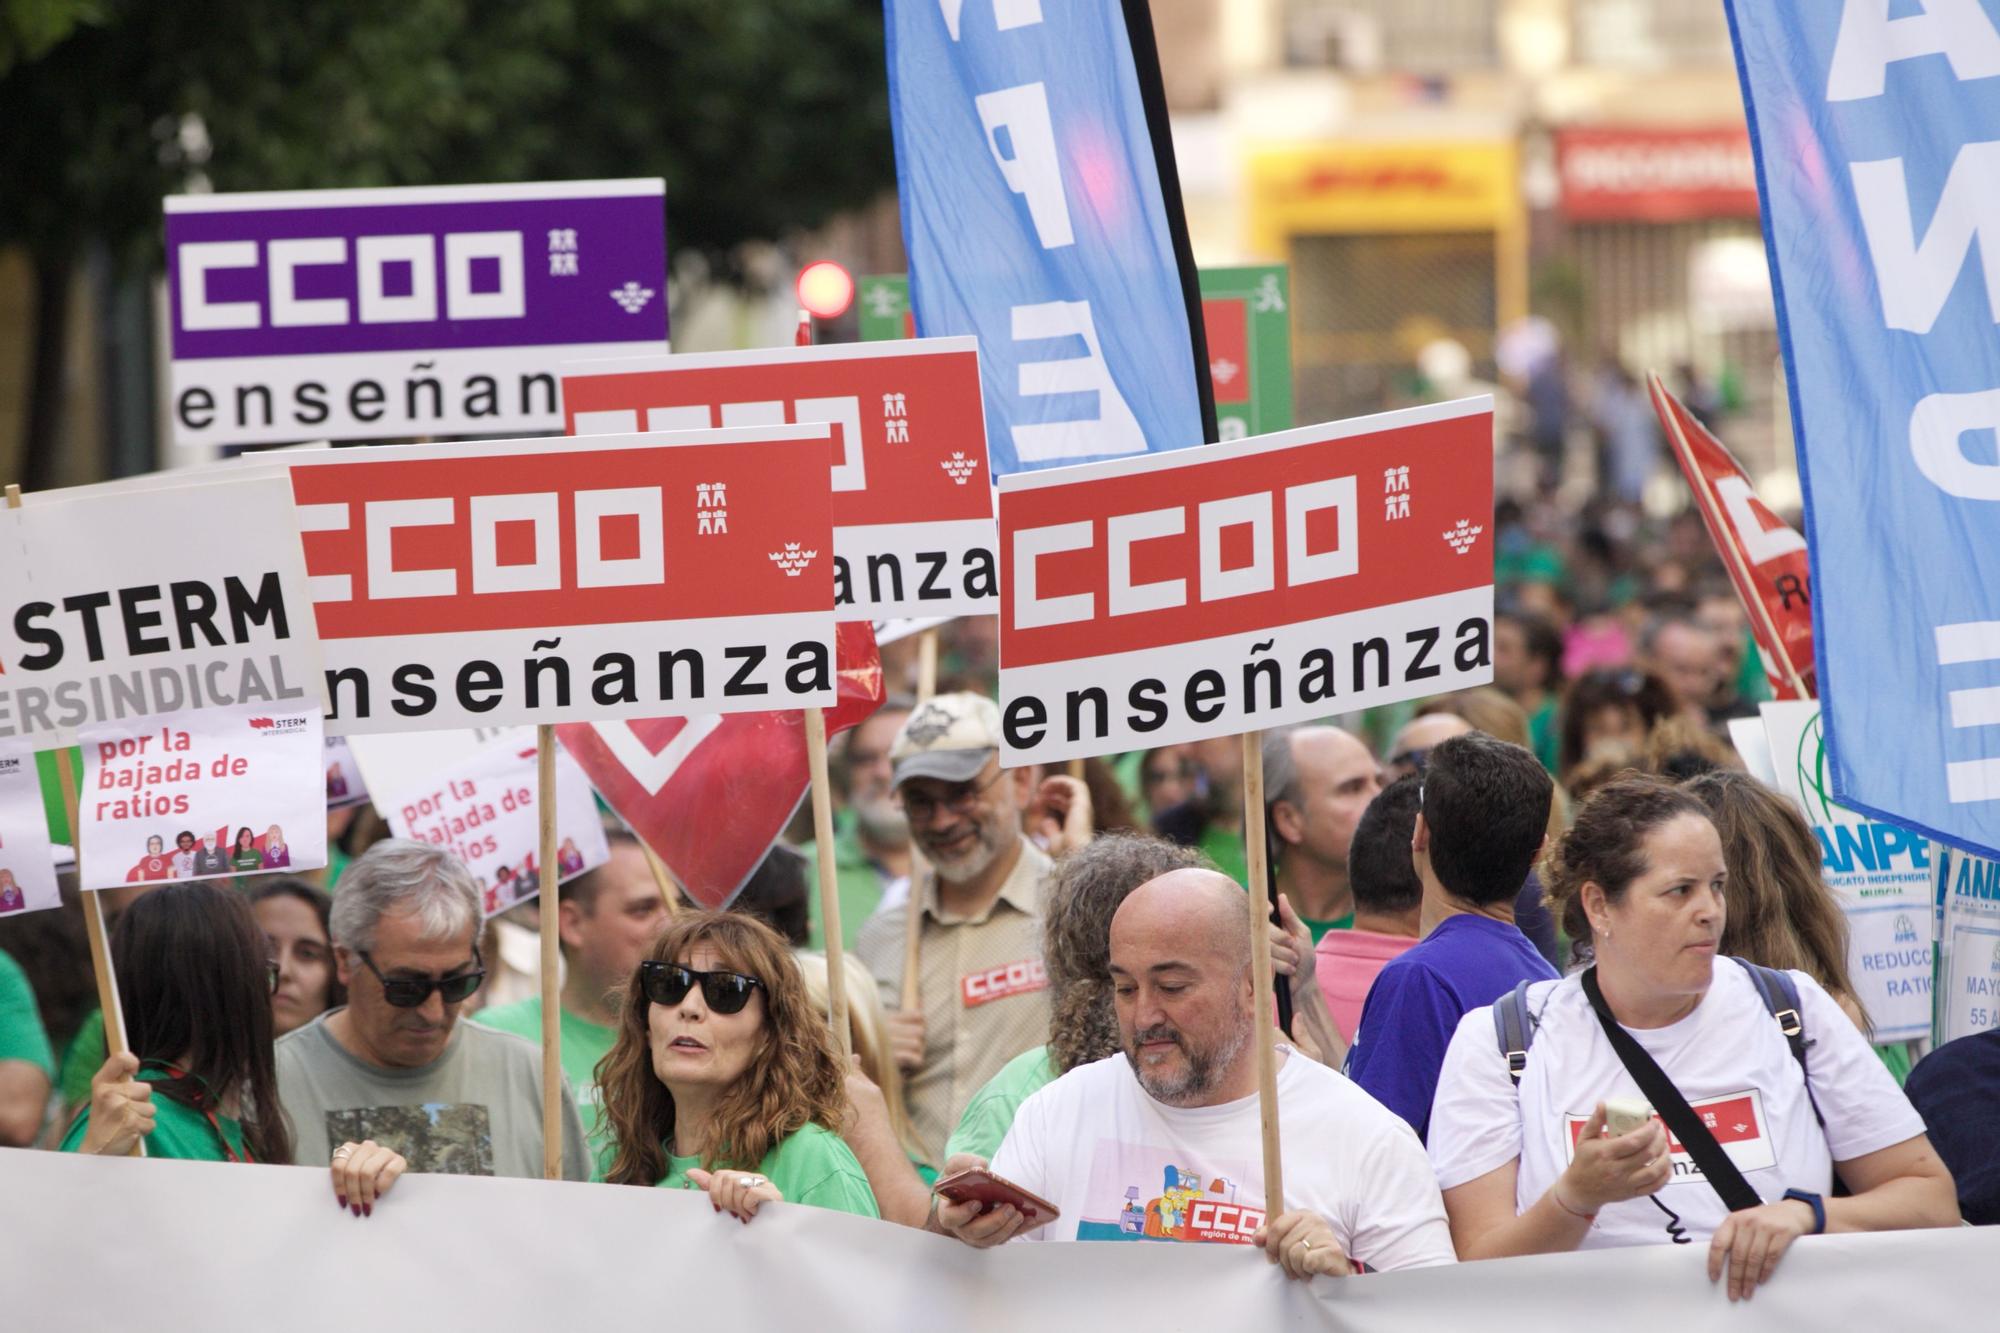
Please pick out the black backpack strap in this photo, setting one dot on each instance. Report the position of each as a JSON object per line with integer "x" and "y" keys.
{"x": 1780, "y": 995}
{"x": 1680, "y": 1118}
{"x": 1514, "y": 1028}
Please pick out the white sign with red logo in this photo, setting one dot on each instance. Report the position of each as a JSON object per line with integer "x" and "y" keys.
{"x": 997, "y": 983}
{"x": 534, "y": 581}
{"x": 1276, "y": 579}
{"x": 204, "y": 794}
{"x": 912, "y": 498}
{"x": 27, "y": 863}
{"x": 1736, "y": 1119}
{"x": 152, "y": 600}
{"x": 483, "y": 810}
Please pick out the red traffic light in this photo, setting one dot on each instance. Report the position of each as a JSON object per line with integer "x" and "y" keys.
{"x": 826, "y": 289}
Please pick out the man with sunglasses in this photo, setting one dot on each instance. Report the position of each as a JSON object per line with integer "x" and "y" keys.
{"x": 983, "y": 989}
{"x": 394, "y": 1066}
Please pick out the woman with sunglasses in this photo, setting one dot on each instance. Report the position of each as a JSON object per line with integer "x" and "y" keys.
{"x": 199, "y": 1081}
{"x": 723, "y": 1077}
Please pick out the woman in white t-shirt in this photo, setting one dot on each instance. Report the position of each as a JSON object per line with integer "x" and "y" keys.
{"x": 1531, "y": 1169}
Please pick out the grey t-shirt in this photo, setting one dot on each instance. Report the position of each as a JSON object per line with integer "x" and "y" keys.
{"x": 475, "y": 1111}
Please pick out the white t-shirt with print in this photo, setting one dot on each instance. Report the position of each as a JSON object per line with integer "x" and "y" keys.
{"x": 1122, "y": 1166}
{"x": 1728, "y": 1058}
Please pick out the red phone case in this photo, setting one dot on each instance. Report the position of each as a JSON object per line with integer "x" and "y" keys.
{"x": 986, "y": 1188}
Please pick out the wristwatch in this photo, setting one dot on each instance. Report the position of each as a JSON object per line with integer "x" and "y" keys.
{"x": 1814, "y": 1202}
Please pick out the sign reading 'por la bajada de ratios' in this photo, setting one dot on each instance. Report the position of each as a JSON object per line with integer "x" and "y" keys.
{"x": 570, "y": 580}
{"x": 1276, "y": 579}
{"x": 358, "y": 314}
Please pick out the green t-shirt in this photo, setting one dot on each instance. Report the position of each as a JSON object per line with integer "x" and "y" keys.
{"x": 1896, "y": 1056}
{"x": 85, "y": 1056}
{"x": 22, "y": 1036}
{"x": 584, "y": 1043}
{"x": 1225, "y": 848}
{"x": 1320, "y": 928}
{"x": 248, "y": 861}
{"x": 1544, "y": 736}
{"x": 179, "y": 1131}
{"x": 990, "y": 1113}
{"x": 813, "y": 1166}
{"x": 855, "y": 877}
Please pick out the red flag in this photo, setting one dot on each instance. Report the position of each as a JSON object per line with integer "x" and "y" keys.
{"x": 1766, "y": 558}
{"x": 709, "y": 794}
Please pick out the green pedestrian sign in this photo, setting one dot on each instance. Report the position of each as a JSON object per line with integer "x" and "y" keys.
{"x": 1248, "y": 318}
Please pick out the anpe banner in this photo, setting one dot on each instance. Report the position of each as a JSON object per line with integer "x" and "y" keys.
{"x": 531, "y": 581}
{"x": 124, "y": 605}
{"x": 1968, "y": 949}
{"x": 1880, "y": 872}
{"x": 1765, "y": 558}
{"x": 912, "y": 498}
{"x": 675, "y": 781}
{"x": 1151, "y": 601}
{"x": 440, "y": 310}
{"x": 484, "y": 810}
{"x": 27, "y": 865}
{"x": 200, "y": 795}
{"x": 606, "y": 1255}
{"x": 1877, "y": 132}
{"x": 1036, "y": 217}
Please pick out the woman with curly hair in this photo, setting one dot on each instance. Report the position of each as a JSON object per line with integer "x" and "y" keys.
{"x": 723, "y": 1077}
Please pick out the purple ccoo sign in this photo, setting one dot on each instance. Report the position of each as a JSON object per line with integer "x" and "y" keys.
{"x": 382, "y": 313}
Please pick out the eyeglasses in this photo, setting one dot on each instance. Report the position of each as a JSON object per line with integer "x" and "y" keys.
{"x": 961, "y": 802}
{"x": 409, "y": 992}
{"x": 669, "y": 983}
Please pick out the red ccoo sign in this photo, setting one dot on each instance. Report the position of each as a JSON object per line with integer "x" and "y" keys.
{"x": 1274, "y": 579}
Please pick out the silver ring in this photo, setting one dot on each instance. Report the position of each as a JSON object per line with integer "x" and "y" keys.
{"x": 754, "y": 1182}
{"x": 345, "y": 1151}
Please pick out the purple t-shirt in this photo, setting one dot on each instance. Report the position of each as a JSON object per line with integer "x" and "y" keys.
{"x": 1415, "y": 1004}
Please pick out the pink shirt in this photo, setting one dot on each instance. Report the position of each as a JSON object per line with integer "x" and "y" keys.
{"x": 1346, "y": 962}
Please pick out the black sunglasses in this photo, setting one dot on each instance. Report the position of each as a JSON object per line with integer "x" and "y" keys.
{"x": 669, "y": 983}
{"x": 409, "y": 992}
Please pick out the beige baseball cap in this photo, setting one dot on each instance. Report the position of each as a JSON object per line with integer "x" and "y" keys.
{"x": 949, "y": 738}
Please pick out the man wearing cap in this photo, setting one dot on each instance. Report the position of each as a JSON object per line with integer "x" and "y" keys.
{"x": 983, "y": 992}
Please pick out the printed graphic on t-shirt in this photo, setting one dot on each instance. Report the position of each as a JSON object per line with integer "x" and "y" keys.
{"x": 439, "y": 1138}
{"x": 1143, "y": 1193}
{"x": 1736, "y": 1119}
{"x": 997, "y": 983}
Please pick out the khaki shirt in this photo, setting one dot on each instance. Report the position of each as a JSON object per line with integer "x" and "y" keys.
{"x": 985, "y": 993}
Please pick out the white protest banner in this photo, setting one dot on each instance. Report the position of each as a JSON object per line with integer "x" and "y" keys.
{"x": 1881, "y": 874}
{"x": 1205, "y": 592}
{"x": 1968, "y": 896}
{"x": 483, "y": 810}
{"x": 912, "y": 495}
{"x": 204, "y": 794}
{"x": 395, "y": 760}
{"x": 1753, "y": 747}
{"x": 27, "y": 862}
{"x": 436, "y": 310}
{"x": 545, "y": 581}
{"x": 344, "y": 783}
{"x": 605, "y": 1256}
{"x": 125, "y": 605}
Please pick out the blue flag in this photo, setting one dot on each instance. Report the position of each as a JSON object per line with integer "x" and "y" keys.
{"x": 1876, "y": 127}
{"x": 1039, "y": 217}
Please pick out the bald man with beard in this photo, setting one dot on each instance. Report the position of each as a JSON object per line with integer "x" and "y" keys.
{"x": 1162, "y": 1141}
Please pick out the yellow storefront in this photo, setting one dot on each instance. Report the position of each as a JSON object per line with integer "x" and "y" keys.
{"x": 1391, "y": 246}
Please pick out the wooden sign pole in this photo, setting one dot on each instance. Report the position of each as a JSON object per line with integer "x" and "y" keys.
{"x": 661, "y": 879}
{"x": 545, "y": 809}
{"x": 1262, "y": 1001}
{"x": 829, "y": 890}
{"x": 93, "y": 906}
{"x": 913, "y": 919}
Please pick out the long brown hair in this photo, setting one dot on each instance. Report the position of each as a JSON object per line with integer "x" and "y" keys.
{"x": 195, "y": 983}
{"x": 792, "y": 1079}
{"x": 1781, "y": 914}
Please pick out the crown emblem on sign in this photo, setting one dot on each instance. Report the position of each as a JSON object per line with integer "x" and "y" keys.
{"x": 1461, "y": 538}
{"x": 958, "y": 467}
{"x": 792, "y": 560}
{"x": 632, "y": 297}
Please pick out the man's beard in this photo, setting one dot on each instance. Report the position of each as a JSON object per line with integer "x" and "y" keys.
{"x": 1202, "y": 1068}
{"x": 882, "y": 823}
{"x": 967, "y": 865}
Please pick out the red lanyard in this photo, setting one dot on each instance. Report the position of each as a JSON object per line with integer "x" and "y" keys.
{"x": 202, "y": 1104}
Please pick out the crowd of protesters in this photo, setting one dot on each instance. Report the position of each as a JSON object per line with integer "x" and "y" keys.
{"x": 1504, "y": 916}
